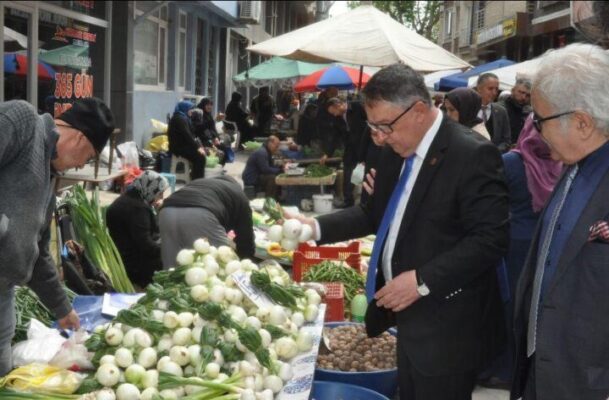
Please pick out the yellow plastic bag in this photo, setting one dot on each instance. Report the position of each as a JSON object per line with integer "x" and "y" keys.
{"x": 158, "y": 126}
{"x": 38, "y": 377}
{"x": 159, "y": 143}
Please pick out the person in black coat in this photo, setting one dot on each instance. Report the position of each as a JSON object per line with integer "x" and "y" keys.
{"x": 132, "y": 224}
{"x": 206, "y": 208}
{"x": 235, "y": 113}
{"x": 262, "y": 109}
{"x": 307, "y": 129}
{"x": 205, "y": 129}
{"x": 351, "y": 125}
{"x": 182, "y": 141}
{"x": 434, "y": 275}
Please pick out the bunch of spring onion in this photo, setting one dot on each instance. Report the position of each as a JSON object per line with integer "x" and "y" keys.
{"x": 90, "y": 225}
{"x": 195, "y": 336}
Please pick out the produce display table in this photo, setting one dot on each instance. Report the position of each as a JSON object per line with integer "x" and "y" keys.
{"x": 286, "y": 180}
{"x": 87, "y": 174}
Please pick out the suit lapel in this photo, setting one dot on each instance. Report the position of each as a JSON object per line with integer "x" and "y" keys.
{"x": 594, "y": 210}
{"x": 432, "y": 161}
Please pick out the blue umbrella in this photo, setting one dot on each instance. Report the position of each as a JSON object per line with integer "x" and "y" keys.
{"x": 460, "y": 80}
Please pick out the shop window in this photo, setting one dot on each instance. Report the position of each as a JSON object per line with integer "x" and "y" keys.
{"x": 182, "y": 50}
{"x": 93, "y": 8}
{"x": 150, "y": 46}
{"x": 15, "y": 54}
{"x": 73, "y": 52}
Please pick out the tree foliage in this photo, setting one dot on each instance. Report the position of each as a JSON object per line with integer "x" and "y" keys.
{"x": 420, "y": 16}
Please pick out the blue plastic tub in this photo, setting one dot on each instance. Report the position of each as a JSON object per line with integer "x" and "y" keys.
{"x": 385, "y": 381}
{"x": 343, "y": 391}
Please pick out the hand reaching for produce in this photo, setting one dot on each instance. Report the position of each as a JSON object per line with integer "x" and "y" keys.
{"x": 70, "y": 321}
{"x": 399, "y": 293}
{"x": 303, "y": 220}
{"x": 369, "y": 182}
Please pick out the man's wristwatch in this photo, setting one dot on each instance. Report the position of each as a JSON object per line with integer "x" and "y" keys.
{"x": 422, "y": 288}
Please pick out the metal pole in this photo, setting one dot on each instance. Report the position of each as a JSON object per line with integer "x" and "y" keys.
{"x": 32, "y": 41}
{"x": 108, "y": 54}
{"x": 361, "y": 77}
{"x": 2, "y": 53}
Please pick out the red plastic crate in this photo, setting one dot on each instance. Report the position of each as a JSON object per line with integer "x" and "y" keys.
{"x": 335, "y": 301}
{"x": 329, "y": 252}
{"x": 301, "y": 264}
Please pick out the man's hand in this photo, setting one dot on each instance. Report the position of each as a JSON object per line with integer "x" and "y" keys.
{"x": 369, "y": 182}
{"x": 70, "y": 321}
{"x": 201, "y": 150}
{"x": 323, "y": 159}
{"x": 398, "y": 293}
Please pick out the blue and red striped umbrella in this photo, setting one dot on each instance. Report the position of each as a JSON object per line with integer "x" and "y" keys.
{"x": 336, "y": 76}
{"x": 17, "y": 64}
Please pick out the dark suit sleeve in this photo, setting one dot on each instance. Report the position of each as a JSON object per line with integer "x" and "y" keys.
{"x": 483, "y": 210}
{"x": 351, "y": 223}
{"x": 503, "y": 133}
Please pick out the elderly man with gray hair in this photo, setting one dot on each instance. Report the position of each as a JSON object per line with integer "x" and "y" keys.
{"x": 562, "y": 298}
{"x": 518, "y": 106}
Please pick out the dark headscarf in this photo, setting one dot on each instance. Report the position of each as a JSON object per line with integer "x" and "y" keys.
{"x": 468, "y": 103}
{"x": 148, "y": 185}
{"x": 236, "y": 97}
{"x": 204, "y": 101}
{"x": 183, "y": 107}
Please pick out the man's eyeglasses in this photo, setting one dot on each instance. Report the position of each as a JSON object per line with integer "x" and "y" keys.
{"x": 538, "y": 121}
{"x": 388, "y": 128}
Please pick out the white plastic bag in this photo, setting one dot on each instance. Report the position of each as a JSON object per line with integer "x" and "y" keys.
{"x": 40, "y": 347}
{"x": 73, "y": 353}
{"x": 357, "y": 177}
{"x": 131, "y": 157}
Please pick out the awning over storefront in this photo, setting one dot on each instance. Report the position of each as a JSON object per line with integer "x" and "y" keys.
{"x": 461, "y": 80}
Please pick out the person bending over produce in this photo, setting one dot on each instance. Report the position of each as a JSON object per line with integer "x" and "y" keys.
{"x": 206, "y": 208}
{"x": 33, "y": 150}
{"x": 260, "y": 171}
{"x": 132, "y": 224}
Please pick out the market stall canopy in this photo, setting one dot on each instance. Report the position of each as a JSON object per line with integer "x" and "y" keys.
{"x": 72, "y": 56}
{"x": 343, "y": 78}
{"x": 434, "y": 77}
{"x": 363, "y": 36}
{"x": 277, "y": 70}
{"x": 11, "y": 35}
{"x": 17, "y": 64}
{"x": 508, "y": 75}
{"x": 461, "y": 79}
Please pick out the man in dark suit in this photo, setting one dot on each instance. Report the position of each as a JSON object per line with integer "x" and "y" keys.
{"x": 351, "y": 124}
{"x": 562, "y": 299}
{"x": 495, "y": 117}
{"x": 435, "y": 270}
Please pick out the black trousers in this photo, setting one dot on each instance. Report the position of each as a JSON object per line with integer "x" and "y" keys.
{"x": 197, "y": 161}
{"x": 416, "y": 386}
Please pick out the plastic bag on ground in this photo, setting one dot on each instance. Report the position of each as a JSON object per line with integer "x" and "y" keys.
{"x": 39, "y": 377}
{"x": 73, "y": 354}
{"x": 357, "y": 176}
{"x": 41, "y": 346}
{"x": 130, "y": 154}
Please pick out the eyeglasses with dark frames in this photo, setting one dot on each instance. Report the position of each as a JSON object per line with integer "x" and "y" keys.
{"x": 538, "y": 121}
{"x": 388, "y": 128}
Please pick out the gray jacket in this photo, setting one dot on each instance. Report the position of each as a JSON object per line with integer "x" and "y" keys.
{"x": 27, "y": 142}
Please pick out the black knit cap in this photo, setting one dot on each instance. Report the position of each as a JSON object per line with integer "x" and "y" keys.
{"x": 93, "y": 118}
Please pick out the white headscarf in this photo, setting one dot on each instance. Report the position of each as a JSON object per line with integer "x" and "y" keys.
{"x": 149, "y": 184}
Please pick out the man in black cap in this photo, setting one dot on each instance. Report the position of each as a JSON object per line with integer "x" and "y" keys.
{"x": 33, "y": 149}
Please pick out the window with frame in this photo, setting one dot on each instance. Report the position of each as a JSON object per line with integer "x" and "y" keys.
{"x": 150, "y": 46}
{"x": 182, "y": 49}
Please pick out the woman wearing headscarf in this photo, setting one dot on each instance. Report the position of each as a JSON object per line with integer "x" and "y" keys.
{"x": 182, "y": 141}
{"x": 462, "y": 105}
{"x": 206, "y": 132}
{"x": 235, "y": 113}
{"x": 131, "y": 220}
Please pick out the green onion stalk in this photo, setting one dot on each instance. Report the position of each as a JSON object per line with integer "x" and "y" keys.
{"x": 90, "y": 225}
{"x": 228, "y": 389}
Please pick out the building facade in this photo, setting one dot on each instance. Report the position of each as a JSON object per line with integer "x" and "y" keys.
{"x": 483, "y": 31}
{"x": 141, "y": 57}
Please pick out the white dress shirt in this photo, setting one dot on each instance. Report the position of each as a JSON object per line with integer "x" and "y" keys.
{"x": 485, "y": 112}
{"x": 394, "y": 227}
